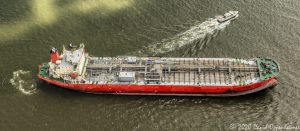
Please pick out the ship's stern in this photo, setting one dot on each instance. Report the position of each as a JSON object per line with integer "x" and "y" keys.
{"x": 43, "y": 71}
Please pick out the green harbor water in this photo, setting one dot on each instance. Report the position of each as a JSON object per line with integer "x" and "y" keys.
{"x": 29, "y": 28}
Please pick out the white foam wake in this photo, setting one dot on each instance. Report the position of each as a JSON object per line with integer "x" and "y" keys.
{"x": 22, "y": 80}
{"x": 198, "y": 36}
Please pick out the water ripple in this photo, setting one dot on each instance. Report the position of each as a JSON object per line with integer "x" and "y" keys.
{"x": 22, "y": 80}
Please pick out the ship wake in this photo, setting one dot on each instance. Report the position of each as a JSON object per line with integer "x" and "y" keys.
{"x": 197, "y": 37}
{"x": 23, "y": 81}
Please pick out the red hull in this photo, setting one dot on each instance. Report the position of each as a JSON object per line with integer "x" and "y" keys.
{"x": 182, "y": 90}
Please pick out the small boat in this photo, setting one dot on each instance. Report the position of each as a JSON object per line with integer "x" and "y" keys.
{"x": 130, "y": 75}
{"x": 231, "y": 15}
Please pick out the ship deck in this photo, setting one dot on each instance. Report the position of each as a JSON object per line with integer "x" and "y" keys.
{"x": 177, "y": 71}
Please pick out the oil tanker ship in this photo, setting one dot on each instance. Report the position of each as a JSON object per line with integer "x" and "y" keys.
{"x": 77, "y": 70}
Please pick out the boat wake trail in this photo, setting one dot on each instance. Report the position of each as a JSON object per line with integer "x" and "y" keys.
{"x": 197, "y": 37}
{"x": 22, "y": 80}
